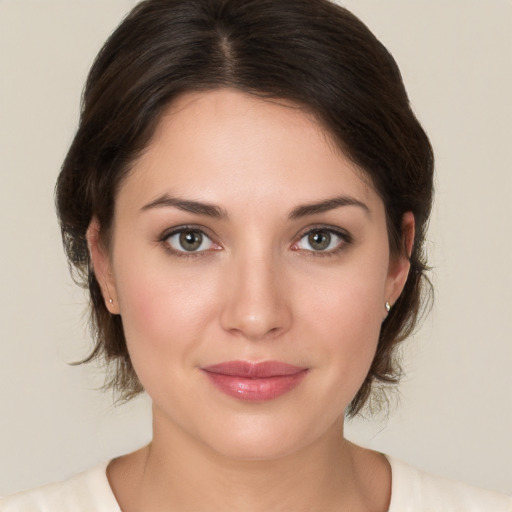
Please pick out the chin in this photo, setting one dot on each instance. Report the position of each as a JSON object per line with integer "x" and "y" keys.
{"x": 267, "y": 438}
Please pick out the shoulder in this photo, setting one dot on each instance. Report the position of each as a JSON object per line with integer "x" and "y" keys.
{"x": 416, "y": 491}
{"x": 84, "y": 492}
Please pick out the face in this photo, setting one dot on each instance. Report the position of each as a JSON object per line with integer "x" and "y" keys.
{"x": 250, "y": 265}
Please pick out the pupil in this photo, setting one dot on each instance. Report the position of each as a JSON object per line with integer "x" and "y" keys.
{"x": 191, "y": 240}
{"x": 319, "y": 240}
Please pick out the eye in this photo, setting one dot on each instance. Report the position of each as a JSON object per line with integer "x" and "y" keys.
{"x": 189, "y": 240}
{"x": 323, "y": 240}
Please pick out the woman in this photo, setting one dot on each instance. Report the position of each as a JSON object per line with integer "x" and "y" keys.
{"x": 246, "y": 198}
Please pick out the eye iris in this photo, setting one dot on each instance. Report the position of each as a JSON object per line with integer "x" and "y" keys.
{"x": 191, "y": 240}
{"x": 319, "y": 240}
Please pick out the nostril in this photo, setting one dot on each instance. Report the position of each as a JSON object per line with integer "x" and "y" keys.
{"x": 265, "y": 323}
{"x": 254, "y": 304}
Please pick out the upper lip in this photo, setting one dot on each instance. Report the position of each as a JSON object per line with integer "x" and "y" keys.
{"x": 254, "y": 370}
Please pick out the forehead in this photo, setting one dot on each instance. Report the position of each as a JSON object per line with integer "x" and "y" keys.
{"x": 224, "y": 144}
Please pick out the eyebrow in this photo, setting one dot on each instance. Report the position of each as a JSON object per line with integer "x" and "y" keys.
{"x": 328, "y": 204}
{"x": 214, "y": 211}
{"x": 199, "y": 208}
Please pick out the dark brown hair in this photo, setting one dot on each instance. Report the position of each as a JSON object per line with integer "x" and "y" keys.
{"x": 312, "y": 52}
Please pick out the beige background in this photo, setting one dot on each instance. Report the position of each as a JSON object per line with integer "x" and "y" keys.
{"x": 454, "y": 416}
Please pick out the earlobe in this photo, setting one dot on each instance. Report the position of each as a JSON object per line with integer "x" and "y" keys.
{"x": 399, "y": 265}
{"x": 100, "y": 260}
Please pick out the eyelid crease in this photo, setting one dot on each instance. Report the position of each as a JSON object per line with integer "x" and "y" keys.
{"x": 184, "y": 227}
{"x": 343, "y": 233}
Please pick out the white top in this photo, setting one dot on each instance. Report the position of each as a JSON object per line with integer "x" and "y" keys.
{"x": 411, "y": 491}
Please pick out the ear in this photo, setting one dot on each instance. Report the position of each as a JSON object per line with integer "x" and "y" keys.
{"x": 102, "y": 266}
{"x": 399, "y": 265}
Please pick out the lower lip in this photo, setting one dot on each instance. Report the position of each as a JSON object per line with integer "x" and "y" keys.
{"x": 256, "y": 389}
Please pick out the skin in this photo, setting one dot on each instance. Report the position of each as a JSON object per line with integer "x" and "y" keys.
{"x": 256, "y": 290}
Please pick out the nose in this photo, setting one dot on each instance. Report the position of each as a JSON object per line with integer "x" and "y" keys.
{"x": 256, "y": 305}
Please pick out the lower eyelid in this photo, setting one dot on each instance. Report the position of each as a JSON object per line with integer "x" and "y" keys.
{"x": 344, "y": 238}
{"x": 166, "y": 236}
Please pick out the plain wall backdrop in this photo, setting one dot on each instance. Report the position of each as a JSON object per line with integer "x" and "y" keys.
{"x": 454, "y": 415}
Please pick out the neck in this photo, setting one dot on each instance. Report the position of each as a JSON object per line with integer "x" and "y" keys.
{"x": 176, "y": 472}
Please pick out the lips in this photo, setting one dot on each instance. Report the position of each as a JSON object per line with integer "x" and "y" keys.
{"x": 255, "y": 382}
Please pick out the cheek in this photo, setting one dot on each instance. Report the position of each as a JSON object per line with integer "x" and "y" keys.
{"x": 163, "y": 311}
{"x": 350, "y": 303}
{"x": 351, "y": 331}
{"x": 343, "y": 317}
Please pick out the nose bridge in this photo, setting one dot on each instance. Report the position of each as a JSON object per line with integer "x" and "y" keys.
{"x": 256, "y": 304}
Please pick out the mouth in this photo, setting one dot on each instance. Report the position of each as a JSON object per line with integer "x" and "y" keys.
{"x": 255, "y": 382}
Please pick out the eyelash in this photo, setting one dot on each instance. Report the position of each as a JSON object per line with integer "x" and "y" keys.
{"x": 346, "y": 239}
{"x": 185, "y": 254}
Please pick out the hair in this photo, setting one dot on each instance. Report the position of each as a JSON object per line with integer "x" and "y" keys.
{"x": 311, "y": 52}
